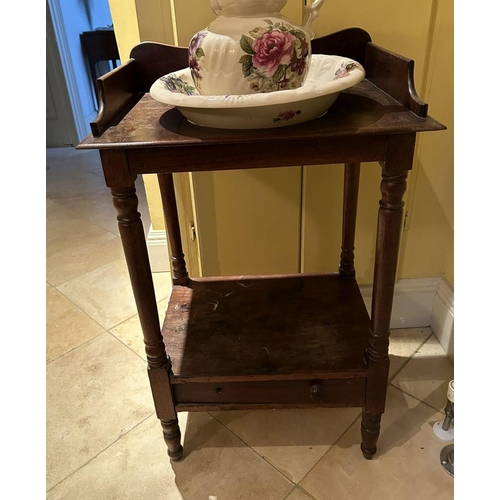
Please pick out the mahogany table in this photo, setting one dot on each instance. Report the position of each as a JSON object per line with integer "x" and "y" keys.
{"x": 279, "y": 341}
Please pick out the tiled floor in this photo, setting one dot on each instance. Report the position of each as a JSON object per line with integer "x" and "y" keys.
{"x": 104, "y": 441}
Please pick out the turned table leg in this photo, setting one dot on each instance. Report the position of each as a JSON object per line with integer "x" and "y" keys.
{"x": 350, "y": 208}
{"x": 390, "y": 218}
{"x": 136, "y": 254}
{"x": 171, "y": 215}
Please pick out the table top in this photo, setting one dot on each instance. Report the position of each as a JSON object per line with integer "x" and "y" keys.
{"x": 363, "y": 110}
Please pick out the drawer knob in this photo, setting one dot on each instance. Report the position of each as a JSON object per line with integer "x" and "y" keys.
{"x": 316, "y": 392}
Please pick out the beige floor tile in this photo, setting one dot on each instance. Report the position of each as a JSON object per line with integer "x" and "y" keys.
{"x": 75, "y": 180}
{"x": 130, "y": 333}
{"x": 105, "y": 294}
{"x": 96, "y": 205}
{"x": 297, "y": 494}
{"x": 427, "y": 374}
{"x": 55, "y": 155}
{"x": 216, "y": 465}
{"x": 73, "y": 175}
{"x": 406, "y": 467}
{"x": 67, "y": 326}
{"x": 75, "y": 245}
{"x": 94, "y": 394}
{"x": 404, "y": 342}
{"x": 292, "y": 440}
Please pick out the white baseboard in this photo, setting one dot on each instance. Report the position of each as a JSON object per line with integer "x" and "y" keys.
{"x": 419, "y": 303}
{"x": 158, "y": 250}
{"x": 413, "y": 302}
{"x": 443, "y": 318}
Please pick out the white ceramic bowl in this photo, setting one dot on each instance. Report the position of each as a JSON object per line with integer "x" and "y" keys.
{"x": 327, "y": 77}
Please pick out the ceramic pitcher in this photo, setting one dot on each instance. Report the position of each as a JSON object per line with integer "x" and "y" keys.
{"x": 250, "y": 47}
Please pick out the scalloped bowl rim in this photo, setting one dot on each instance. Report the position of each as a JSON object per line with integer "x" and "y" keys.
{"x": 161, "y": 93}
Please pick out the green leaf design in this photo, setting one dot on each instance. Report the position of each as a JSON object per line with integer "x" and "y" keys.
{"x": 268, "y": 21}
{"x": 246, "y": 45}
{"x": 199, "y": 52}
{"x": 280, "y": 73}
{"x": 246, "y": 65}
{"x": 175, "y": 84}
{"x": 298, "y": 34}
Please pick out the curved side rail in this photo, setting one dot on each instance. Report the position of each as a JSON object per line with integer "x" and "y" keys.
{"x": 350, "y": 42}
{"x": 120, "y": 89}
{"x": 394, "y": 74}
{"x": 118, "y": 93}
{"x": 155, "y": 60}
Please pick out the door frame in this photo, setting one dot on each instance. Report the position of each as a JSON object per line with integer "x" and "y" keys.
{"x": 62, "y": 47}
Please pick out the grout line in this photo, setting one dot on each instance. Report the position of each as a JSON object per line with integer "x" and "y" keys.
{"x": 94, "y": 338}
{"x": 412, "y": 355}
{"x": 302, "y": 490}
{"x": 338, "y": 439}
{"x": 248, "y": 446}
{"x": 63, "y": 205}
{"x": 403, "y": 366}
{"x": 127, "y": 346}
{"x": 76, "y": 347}
{"x": 417, "y": 399}
{"x": 272, "y": 465}
{"x": 289, "y": 493}
{"x": 88, "y": 316}
{"x": 331, "y": 446}
{"x": 102, "y": 451}
{"x": 122, "y": 258}
{"x": 141, "y": 196}
{"x": 106, "y": 330}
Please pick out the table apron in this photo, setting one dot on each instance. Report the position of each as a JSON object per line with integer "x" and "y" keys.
{"x": 231, "y": 156}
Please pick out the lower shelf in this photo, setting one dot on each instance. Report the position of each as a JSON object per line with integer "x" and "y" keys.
{"x": 265, "y": 328}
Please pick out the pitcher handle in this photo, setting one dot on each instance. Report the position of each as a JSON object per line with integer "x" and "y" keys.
{"x": 214, "y": 5}
{"x": 310, "y": 13}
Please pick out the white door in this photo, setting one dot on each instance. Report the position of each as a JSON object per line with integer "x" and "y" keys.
{"x": 60, "y": 126}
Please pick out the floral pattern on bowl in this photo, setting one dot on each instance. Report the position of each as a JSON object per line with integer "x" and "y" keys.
{"x": 326, "y": 78}
{"x": 287, "y": 115}
{"x": 344, "y": 69}
{"x": 176, "y": 84}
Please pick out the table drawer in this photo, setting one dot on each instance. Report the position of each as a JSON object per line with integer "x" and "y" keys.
{"x": 331, "y": 392}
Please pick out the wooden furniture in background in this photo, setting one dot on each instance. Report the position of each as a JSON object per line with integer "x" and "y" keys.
{"x": 99, "y": 45}
{"x": 289, "y": 341}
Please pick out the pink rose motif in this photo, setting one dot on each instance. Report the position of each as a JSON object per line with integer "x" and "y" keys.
{"x": 271, "y": 50}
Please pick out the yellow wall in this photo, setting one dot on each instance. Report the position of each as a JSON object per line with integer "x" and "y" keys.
{"x": 195, "y": 15}
{"x": 234, "y": 236}
{"x": 135, "y": 22}
{"x": 429, "y": 244}
{"x": 125, "y": 23}
{"x": 422, "y": 31}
